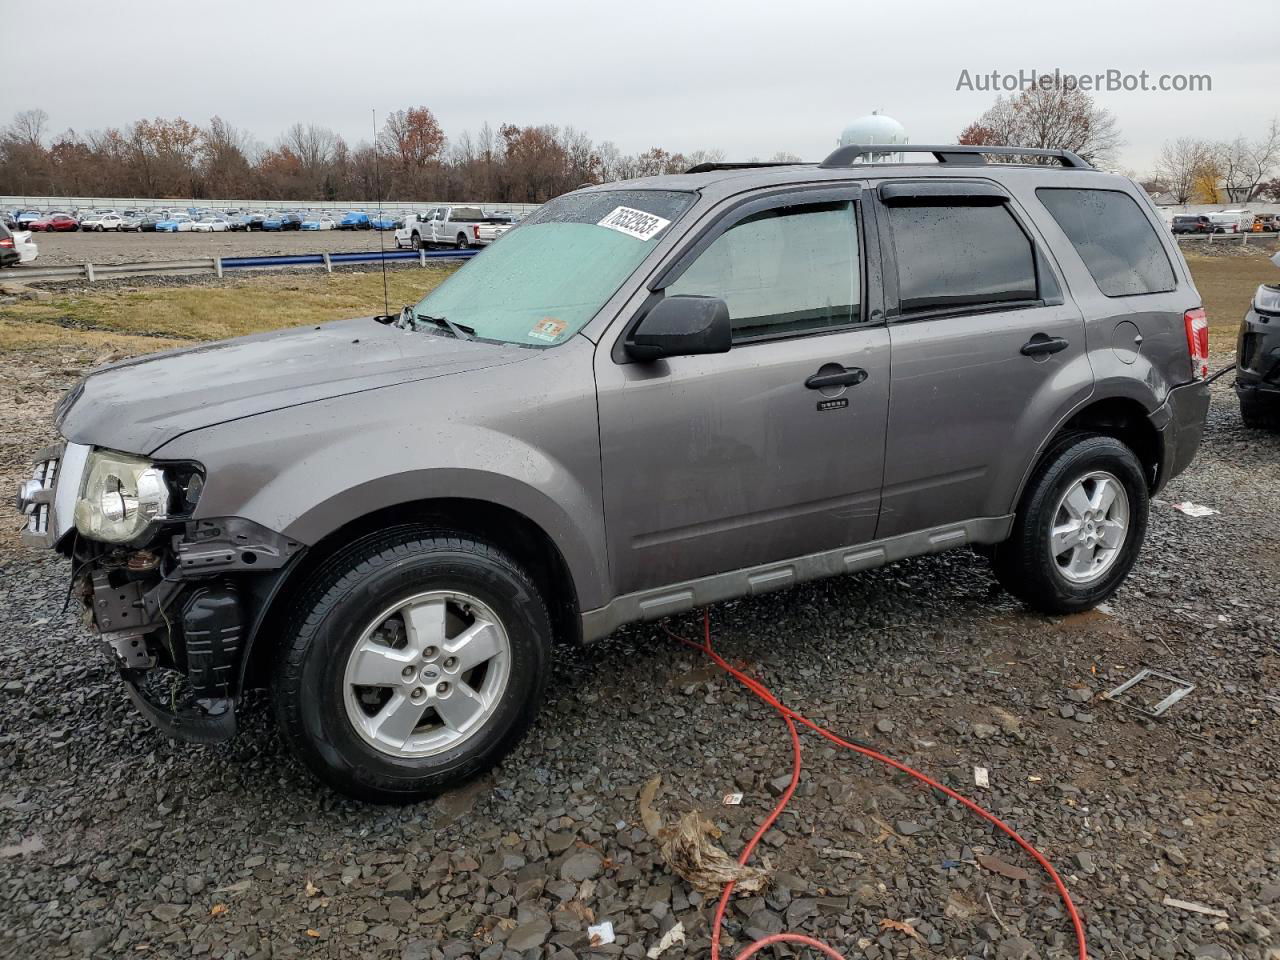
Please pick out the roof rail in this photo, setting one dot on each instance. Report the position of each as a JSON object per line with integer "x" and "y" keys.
{"x": 960, "y": 154}
{"x": 712, "y": 167}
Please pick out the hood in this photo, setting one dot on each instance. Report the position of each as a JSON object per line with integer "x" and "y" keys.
{"x": 139, "y": 405}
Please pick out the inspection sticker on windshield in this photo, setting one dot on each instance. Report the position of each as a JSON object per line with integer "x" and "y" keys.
{"x": 634, "y": 223}
{"x": 548, "y": 329}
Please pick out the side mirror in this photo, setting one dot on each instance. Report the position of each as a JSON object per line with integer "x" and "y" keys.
{"x": 681, "y": 326}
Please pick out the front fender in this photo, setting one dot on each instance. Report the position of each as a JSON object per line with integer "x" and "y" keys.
{"x": 308, "y": 470}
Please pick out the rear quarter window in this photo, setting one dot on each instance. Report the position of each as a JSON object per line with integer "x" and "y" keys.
{"x": 1116, "y": 241}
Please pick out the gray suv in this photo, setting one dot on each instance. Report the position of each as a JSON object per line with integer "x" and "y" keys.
{"x": 649, "y": 396}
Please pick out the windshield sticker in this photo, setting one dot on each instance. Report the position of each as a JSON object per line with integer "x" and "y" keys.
{"x": 634, "y": 223}
{"x": 548, "y": 329}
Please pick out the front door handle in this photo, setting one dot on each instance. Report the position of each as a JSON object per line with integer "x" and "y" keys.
{"x": 1041, "y": 345}
{"x": 839, "y": 378}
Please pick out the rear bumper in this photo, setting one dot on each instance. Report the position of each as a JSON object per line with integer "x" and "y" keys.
{"x": 1180, "y": 423}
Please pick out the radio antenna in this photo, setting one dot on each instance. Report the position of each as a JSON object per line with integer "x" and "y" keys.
{"x": 382, "y": 240}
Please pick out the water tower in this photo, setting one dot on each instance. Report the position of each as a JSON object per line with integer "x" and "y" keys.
{"x": 876, "y": 128}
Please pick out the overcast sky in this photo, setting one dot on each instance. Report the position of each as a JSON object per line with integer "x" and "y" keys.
{"x": 750, "y": 78}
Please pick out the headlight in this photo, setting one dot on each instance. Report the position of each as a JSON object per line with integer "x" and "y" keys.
{"x": 1267, "y": 299}
{"x": 121, "y": 497}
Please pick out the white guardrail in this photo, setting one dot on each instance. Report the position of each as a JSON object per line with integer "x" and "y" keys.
{"x": 1240, "y": 238}
{"x": 92, "y": 272}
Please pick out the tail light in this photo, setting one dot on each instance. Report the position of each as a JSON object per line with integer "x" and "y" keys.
{"x": 6, "y": 242}
{"x": 1197, "y": 325}
{"x": 475, "y": 231}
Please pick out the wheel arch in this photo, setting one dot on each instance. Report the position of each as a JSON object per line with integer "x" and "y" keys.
{"x": 501, "y": 526}
{"x": 1124, "y": 418}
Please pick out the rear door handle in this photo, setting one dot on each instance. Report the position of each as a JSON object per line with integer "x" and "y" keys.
{"x": 1041, "y": 345}
{"x": 840, "y": 378}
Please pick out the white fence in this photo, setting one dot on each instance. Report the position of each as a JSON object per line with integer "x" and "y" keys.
{"x": 51, "y": 204}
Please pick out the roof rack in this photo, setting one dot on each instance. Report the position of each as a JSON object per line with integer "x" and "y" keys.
{"x": 712, "y": 167}
{"x": 959, "y": 154}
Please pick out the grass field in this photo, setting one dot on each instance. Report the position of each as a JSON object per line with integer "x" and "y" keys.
{"x": 86, "y": 325}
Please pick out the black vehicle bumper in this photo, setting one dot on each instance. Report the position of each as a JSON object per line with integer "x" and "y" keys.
{"x": 1180, "y": 423}
{"x": 1258, "y": 356}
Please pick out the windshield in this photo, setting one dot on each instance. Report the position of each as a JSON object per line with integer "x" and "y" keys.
{"x": 549, "y": 276}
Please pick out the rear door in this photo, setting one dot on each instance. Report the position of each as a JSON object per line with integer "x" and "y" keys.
{"x": 987, "y": 351}
{"x": 716, "y": 463}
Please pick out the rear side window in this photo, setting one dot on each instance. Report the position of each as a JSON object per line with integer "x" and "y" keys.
{"x": 1114, "y": 239}
{"x": 958, "y": 255}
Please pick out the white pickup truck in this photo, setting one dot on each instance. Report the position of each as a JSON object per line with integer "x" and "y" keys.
{"x": 459, "y": 227}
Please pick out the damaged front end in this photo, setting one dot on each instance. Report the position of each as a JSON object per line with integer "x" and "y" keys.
{"x": 172, "y": 598}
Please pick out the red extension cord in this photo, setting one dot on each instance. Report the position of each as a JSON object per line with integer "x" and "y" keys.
{"x": 790, "y": 718}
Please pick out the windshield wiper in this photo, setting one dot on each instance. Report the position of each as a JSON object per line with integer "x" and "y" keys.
{"x": 459, "y": 330}
{"x": 408, "y": 320}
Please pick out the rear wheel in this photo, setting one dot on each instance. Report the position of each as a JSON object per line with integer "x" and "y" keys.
{"x": 462, "y": 243}
{"x": 418, "y": 659}
{"x": 1079, "y": 528}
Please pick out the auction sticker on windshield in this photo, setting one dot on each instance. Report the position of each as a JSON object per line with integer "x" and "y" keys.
{"x": 634, "y": 223}
{"x": 548, "y": 329}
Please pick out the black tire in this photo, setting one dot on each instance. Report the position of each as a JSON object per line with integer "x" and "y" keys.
{"x": 1024, "y": 563}
{"x": 417, "y": 241}
{"x": 1258, "y": 414}
{"x": 461, "y": 242}
{"x": 344, "y": 597}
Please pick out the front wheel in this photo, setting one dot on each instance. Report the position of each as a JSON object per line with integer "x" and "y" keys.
{"x": 1079, "y": 527}
{"x": 417, "y": 660}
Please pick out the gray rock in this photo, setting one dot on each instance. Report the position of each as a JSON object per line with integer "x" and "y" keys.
{"x": 583, "y": 865}
{"x": 885, "y": 725}
{"x": 89, "y": 941}
{"x": 985, "y": 730}
{"x": 1016, "y": 948}
{"x": 529, "y": 935}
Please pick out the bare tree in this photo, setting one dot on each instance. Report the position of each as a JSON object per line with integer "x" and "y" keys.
{"x": 1056, "y": 117}
{"x": 785, "y": 156}
{"x": 1181, "y": 165}
{"x": 1246, "y": 163}
{"x": 28, "y": 127}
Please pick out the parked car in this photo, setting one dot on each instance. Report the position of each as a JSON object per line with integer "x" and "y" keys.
{"x": 1192, "y": 223}
{"x": 147, "y": 223}
{"x": 355, "y": 220}
{"x": 55, "y": 223}
{"x": 176, "y": 223}
{"x": 102, "y": 221}
{"x": 718, "y": 413}
{"x": 28, "y": 217}
{"x": 451, "y": 226}
{"x": 1225, "y": 222}
{"x": 211, "y": 224}
{"x": 385, "y": 221}
{"x": 274, "y": 221}
{"x": 318, "y": 222}
{"x": 10, "y": 219}
{"x": 1258, "y": 358}
{"x": 16, "y": 246}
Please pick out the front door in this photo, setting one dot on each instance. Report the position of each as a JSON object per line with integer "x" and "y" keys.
{"x": 719, "y": 462}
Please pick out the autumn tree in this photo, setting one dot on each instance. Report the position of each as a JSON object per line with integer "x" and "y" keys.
{"x": 1054, "y": 117}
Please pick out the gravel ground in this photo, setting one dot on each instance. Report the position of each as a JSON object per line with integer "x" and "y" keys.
{"x": 116, "y": 841}
{"x": 61, "y": 249}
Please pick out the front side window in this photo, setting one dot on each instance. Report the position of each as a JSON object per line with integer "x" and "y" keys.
{"x": 544, "y": 281}
{"x": 782, "y": 272}
{"x": 1114, "y": 239}
{"x": 959, "y": 255}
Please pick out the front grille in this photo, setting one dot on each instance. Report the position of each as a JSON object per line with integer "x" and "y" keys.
{"x": 45, "y": 474}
